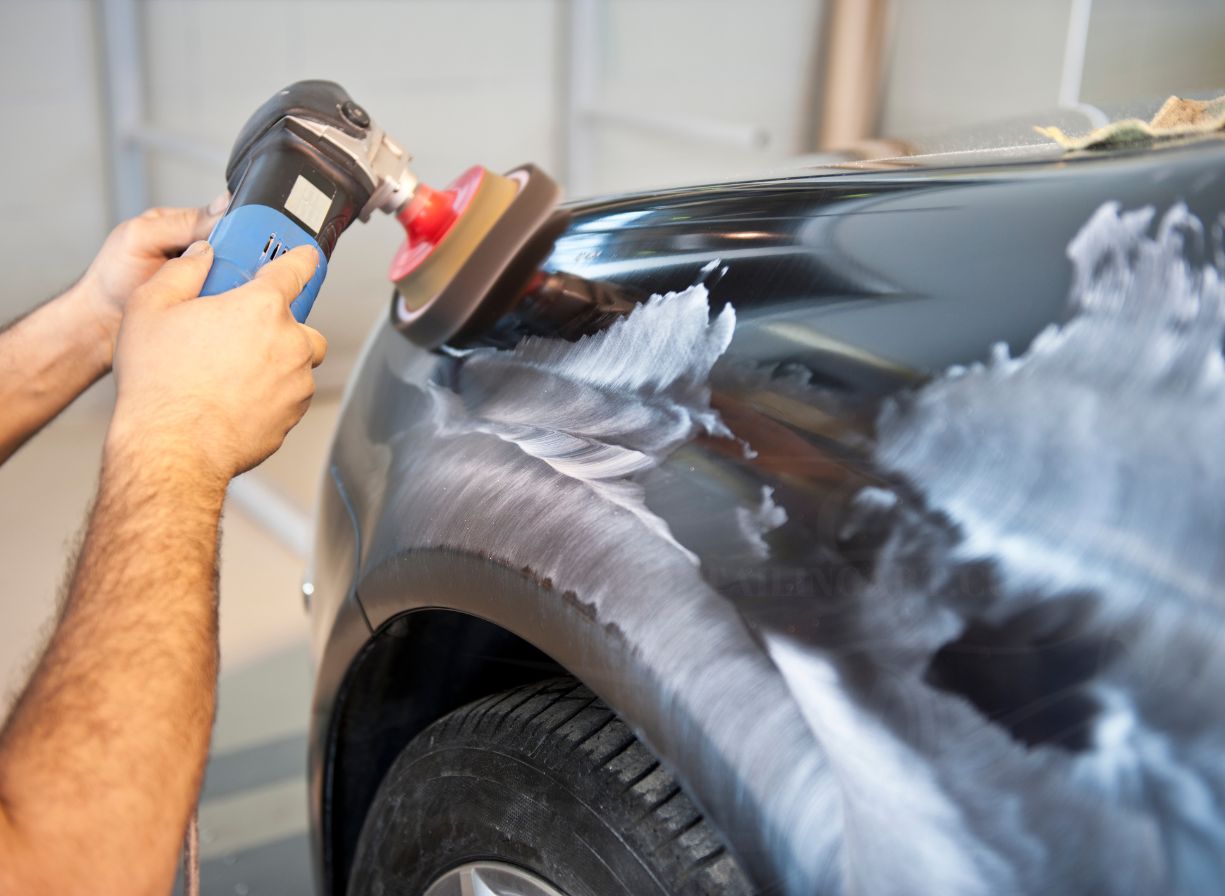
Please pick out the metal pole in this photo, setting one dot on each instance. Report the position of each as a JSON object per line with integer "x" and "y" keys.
{"x": 582, "y": 67}
{"x": 853, "y": 80}
{"x": 124, "y": 89}
{"x": 272, "y": 512}
{"x": 1075, "y": 44}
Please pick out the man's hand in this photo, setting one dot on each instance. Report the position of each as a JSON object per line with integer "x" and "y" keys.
{"x": 51, "y": 355}
{"x": 135, "y": 250}
{"x": 103, "y": 755}
{"x": 219, "y": 380}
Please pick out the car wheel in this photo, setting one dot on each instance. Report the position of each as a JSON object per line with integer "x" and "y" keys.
{"x": 537, "y": 791}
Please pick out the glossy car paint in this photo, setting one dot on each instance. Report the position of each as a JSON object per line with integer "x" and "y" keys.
{"x": 848, "y": 285}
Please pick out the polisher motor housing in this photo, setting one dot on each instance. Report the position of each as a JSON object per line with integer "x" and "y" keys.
{"x": 290, "y": 186}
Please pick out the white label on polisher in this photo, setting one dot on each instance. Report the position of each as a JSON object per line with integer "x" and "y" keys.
{"x": 308, "y": 204}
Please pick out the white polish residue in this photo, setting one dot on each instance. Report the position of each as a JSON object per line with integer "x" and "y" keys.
{"x": 1083, "y": 483}
{"x": 606, "y": 407}
{"x": 1124, "y": 419}
{"x": 876, "y": 772}
{"x": 756, "y": 522}
{"x": 510, "y": 464}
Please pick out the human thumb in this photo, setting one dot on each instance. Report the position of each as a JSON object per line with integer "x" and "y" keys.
{"x": 178, "y": 280}
{"x": 204, "y": 219}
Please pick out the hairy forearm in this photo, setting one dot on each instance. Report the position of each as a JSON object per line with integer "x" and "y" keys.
{"x": 47, "y": 359}
{"x": 103, "y": 755}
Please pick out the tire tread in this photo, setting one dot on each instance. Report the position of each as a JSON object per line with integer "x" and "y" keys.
{"x": 657, "y": 816}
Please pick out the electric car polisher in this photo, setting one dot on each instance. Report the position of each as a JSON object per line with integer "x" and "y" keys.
{"x": 311, "y": 160}
{"x": 304, "y": 166}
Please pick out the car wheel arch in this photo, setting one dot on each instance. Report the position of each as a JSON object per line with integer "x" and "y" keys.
{"x": 527, "y": 623}
{"x": 389, "y": 696}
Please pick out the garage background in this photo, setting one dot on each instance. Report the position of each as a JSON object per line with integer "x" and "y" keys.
{"x": 114, "y": 105}
{"x": 118, "y": 104}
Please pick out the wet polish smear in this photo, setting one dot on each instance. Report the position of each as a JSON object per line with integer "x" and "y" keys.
{"x": 611, "y": 405}
{"x": 1025, "y": 696}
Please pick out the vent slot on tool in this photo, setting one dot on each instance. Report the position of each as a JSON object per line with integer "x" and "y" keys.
{"x": 272, "y": 249}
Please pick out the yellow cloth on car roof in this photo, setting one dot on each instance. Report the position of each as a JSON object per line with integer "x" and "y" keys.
{"x": 1177, "y": 117}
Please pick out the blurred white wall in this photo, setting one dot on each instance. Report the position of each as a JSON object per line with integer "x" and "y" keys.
{"x": 1142, "y": 48}
{"x": 711, "y": 88}
{"x": 731, "y": 69}
{"x": 53, "y": 209}
{"x": 960, "y": 62}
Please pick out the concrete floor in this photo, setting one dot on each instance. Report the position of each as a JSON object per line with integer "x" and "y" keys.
{"x": 253, "y": 811}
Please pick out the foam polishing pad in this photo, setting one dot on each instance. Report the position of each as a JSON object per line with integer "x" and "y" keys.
{"x": 471, "y": 250}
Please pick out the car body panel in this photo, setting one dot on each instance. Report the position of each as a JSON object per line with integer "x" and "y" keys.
{"x": 848, "y": 287}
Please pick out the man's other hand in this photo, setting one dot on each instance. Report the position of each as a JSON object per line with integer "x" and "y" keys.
{"x": 135, "y": 250}
{"x": 217, "y": 381}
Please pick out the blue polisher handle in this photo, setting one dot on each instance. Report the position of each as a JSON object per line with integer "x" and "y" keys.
{"x": 246, "y": 239}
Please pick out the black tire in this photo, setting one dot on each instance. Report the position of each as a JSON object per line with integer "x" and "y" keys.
{"x": 545, "y": 777}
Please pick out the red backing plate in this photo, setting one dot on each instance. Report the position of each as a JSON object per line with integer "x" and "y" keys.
{"x": 411, "y": 254}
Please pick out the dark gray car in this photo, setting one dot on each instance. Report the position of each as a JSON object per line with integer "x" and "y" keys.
{"x": 878, "y": 554}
